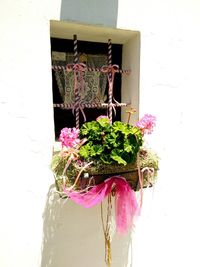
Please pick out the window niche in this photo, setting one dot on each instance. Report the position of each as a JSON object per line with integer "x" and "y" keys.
{"x": 62, "y": 48}
{"x": 92, "y": 40}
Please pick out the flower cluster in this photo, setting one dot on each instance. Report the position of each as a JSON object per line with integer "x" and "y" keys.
{"x": 69, "y": 137}
{"x": 146, "y": 124}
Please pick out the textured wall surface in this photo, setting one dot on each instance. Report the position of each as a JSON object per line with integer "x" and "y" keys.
{"x": 168, "y": 232}
{"x": 36, "y": 228}
{"x": 26, "y": 137}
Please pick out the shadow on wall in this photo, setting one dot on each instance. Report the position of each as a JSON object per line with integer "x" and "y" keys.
{"x": 102, "y": 12}
{"x": 73, "y": 237}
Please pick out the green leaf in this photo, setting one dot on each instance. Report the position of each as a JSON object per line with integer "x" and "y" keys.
{"x": 85, "y": 151}
{"x": 104, "y": 122}
{"x": 105, "y": 158}
{"x": 116, "y": 156}
{"x": 89, "y": 128}
{"x": 118, "y": 159}
{"x": 127, "y": 147}
{"x": 118, "y": 126}
{"x": 84, "y": 131}
{"x": 129, "y": 157}
{"x": 96, "y": 150}
{"x": 124, "y": 128}
{"x": 112, "y": 140}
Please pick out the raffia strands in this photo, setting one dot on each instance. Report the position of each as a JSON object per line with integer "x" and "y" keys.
{"x": 76, "y": 86}
{"x": 110, "y": 91}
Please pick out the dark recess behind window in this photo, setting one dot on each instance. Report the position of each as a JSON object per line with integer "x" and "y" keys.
{"x": 65, "y": 118}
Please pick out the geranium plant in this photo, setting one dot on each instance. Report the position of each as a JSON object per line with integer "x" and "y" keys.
{"x": 110, "y": 143}
{"x": 100, "y": 145}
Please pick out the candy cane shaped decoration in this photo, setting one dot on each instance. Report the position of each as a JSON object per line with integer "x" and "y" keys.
{"x": 76, "y": 85}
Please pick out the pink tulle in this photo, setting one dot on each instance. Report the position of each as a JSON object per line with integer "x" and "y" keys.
{"x": 126, "y": 206}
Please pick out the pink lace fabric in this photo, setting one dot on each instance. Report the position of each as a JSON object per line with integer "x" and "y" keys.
{"x": 126, "y": 206}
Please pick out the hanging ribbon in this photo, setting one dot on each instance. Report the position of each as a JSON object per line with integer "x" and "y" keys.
{"x": 78, "y": 68}
{"x": 110, "y": 70}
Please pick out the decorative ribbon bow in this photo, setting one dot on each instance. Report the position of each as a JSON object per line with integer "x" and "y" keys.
{"x": 110, "y": 69}
{"x": 78, "y": 67}
{"x": 126, "y": 203}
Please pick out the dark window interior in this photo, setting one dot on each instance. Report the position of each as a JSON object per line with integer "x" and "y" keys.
{"x": 65, "y": 118}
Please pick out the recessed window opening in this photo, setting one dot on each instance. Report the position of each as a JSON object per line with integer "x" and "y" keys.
{"x": 93, "y": 54}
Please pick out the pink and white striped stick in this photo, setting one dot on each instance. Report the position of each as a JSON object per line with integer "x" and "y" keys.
{"x": 75, "y": 49}
{"x": 110, "y": 84}
{"x": 76, "y": 86}
{"x": 57, "y": 68}
{"x": 90, "y": 105}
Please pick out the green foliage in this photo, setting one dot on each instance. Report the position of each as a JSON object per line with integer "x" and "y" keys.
{"x": 119, "y": 142}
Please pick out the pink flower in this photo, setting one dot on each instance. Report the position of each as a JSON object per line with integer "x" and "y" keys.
{"x": 69, "y": 137}
{"x": 146, "y": 124}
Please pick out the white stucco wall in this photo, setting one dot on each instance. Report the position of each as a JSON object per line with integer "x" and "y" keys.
{"x": 168, "y": 232}
{"x": 26, "y": 128}
{"x": 37, "y": 228}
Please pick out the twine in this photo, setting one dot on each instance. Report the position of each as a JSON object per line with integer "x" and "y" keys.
{"x": 106, "y": 230}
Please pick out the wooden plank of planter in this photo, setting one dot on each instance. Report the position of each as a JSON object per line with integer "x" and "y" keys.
{"x": 131, "y": 177}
